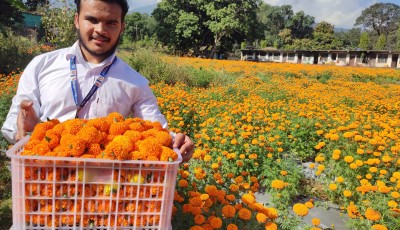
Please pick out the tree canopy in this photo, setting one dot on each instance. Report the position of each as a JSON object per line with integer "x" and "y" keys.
{"x": 382, "y": 18}
{"x": 191, "y": 24}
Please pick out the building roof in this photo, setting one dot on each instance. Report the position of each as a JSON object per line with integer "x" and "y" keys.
{"x": 32, "y": 20}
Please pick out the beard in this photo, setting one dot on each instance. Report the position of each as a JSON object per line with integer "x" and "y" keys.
{"x": 102, "y": 55}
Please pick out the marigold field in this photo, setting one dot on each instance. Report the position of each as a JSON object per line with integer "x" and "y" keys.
{"x": 255, "y": 132}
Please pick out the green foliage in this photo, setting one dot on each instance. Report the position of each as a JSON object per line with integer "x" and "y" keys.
{"x": 381, "y": 43}
{"x": 151, "y": 65}
{"x": 34, "y": 4}
{"x": 138, "y": 27}
{"x": 58, "y": 24}
{"x": 16, "y": 52}
{"x": 189, "y": 25}
{"x": 243, "y": 45}
{"x": 10, "y": 14}
{"x": 365, "y": 43}
{"x": 382, "y": 18}
{"x": 398, "y": 40}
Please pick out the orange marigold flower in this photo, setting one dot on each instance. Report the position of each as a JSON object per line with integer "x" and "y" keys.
{"x": 216, "y": 222}
{"x": 100, "y": 124}
{"x": 195, "y": 201}
{"x": 164, "y": 138}
{"x": 315, "y": 221}
{"x": 272, "y": 213}
{"x": 211, "y": 190}
{"x": 228, "y": 211}
{"x": 150, "y": 146}
{"x": 183, "y": 183}
{"x": 168, "y": 154}
{"x": 271, "y": 226}
{"x": 196, "y": 228}
{"x": 244, "y": 214}
{"x": 118, "y": 128}
{"x": 115, "y": 117}
{"x": 199, "y": 219}
{"x": 248, "y": 199}
{"x": 261, "y": 217}
{"x": 232, "y": 227}
{"x": 41, "y": 149}
{"x": 278, "y": 184}
{"x": 379, "y": 227}
{"x": 73, "y": 126}
{"x": 372, "y": 214}
{"x": 135, "y": 136}
{"x": 120, "y": 148}
{"x": 72, "y": 144}
{"x": 300, "y": 209}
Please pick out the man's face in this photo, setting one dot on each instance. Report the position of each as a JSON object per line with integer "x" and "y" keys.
{"x": 99, "y": 27}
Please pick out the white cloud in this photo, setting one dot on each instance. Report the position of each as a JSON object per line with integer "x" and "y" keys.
{"x": 341, "y": 13}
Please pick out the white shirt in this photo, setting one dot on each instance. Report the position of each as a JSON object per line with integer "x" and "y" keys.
{"x": 46, "y": 82}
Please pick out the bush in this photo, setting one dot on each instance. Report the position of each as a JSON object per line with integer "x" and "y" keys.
{"x": 16, "y": 52}
{"x": 155, "y": 69}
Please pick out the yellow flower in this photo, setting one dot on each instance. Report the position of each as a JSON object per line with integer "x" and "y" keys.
{"x": 347, "y": 193}
{"x": 315, "y": 221}
{"x": 332, "y": 187}
{"x": 300, "y": 209}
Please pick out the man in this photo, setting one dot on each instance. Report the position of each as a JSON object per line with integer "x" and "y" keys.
{"x": 86, "y": 80}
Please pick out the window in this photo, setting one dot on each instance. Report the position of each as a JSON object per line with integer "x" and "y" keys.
{"x": 290, "y": 57}
{"x": 382, "y": 58}
{"x": 342, "y": 57}
{"x": 324, "y": 58}
{"x": 277, "y": 56}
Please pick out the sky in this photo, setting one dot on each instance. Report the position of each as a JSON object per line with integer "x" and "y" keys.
{"x": 340, "y": 13}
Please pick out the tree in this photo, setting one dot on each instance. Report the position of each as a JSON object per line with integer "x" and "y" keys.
{"x": 350, "y": 39}
{"x": 10, "y": 14}
{"x": 59, "y": 24}
{"x": 365, "y": 43}
{"x": 381, "y": 43}
{"x": 382, "y": 18}
{"x": 286, "y": 38}
{"x": 398, "y": 40}
{"x": 138, "y": 26}
{"x": 34, "y": 4}
{"x": 189, "y": 24}
{"x": 301, "y": 25}
{"x": 274, "y": 19}
{"x": 324, "y": 38}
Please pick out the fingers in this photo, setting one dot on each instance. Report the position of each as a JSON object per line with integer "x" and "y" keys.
{"x": 185, "y": 145}
{"x": 26, "y": 119}
{"x": 25, "y": 104}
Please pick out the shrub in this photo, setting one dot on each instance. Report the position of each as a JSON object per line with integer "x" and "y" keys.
{"x": 16, "y": 52}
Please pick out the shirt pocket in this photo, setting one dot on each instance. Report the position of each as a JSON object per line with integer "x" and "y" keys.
{"x": 106, "y": 106}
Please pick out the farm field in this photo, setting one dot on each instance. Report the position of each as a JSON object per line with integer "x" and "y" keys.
{"x": 253, "y": 131}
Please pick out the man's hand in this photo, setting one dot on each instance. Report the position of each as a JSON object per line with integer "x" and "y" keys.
{"x": 185, "y": 145}
{"x": 26, "y": 120}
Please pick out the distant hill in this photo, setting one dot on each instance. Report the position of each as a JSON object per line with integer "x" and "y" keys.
{"x": 144, "y": 9}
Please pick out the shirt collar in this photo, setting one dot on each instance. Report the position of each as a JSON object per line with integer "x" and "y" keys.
{"x": 75, "y": 50}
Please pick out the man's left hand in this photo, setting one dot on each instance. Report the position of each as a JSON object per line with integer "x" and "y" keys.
{"x": 185, "y": 145}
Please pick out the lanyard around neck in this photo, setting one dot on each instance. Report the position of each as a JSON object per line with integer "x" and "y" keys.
{"x": 94, "y": 88}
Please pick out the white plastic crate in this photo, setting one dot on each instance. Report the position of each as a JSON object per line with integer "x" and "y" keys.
{"x": 75, "y": 193}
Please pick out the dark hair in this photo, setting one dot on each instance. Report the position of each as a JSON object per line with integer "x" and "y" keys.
{"x": 123, "y": 3}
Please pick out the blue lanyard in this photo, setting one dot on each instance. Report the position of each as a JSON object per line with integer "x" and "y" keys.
{"x": 94, "y": 88}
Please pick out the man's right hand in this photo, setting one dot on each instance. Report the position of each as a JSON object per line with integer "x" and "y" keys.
{"x": 26, "y": 120}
